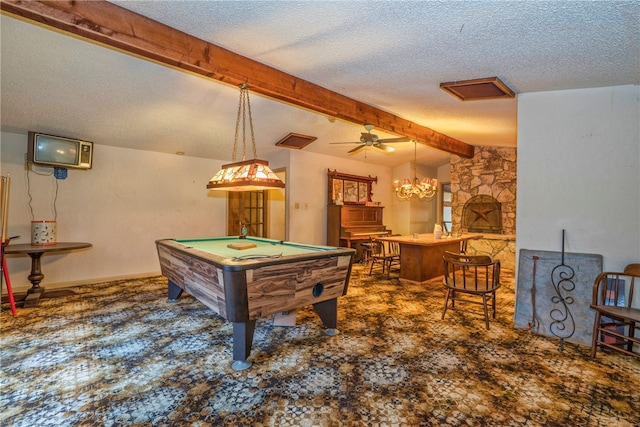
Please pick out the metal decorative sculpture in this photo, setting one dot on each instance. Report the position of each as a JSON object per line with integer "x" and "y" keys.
{"x": 563, "y": 325}
{"x": 534, "y": 324}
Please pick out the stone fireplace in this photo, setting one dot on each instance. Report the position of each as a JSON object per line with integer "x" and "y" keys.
{"x": 483, "y": 200}
{"x": 482, "y": 214}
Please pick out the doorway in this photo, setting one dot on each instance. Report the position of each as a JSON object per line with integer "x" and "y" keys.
{"x": 247, "y": 209}
{"x": 263, "y": 212}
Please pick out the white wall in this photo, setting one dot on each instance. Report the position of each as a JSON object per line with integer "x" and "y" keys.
{"x": 400, "y": 210}
{"x": 579, "y": 170}
{"x": 278, "y": 209}
{"x": 128, "y": 200}
{"x": 424, "y": 212}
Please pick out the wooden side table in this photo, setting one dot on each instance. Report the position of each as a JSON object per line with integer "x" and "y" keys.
{"x": 37, "y": 292}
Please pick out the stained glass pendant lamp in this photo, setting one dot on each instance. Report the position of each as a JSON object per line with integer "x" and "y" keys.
{"x": 246, "y": 175}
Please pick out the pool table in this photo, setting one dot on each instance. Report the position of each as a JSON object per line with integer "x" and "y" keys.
{"x": 245, "y": 278}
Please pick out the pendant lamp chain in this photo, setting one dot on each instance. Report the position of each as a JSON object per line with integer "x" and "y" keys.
{"x": 245, "y": 175}
{"x": 244, "y": 106}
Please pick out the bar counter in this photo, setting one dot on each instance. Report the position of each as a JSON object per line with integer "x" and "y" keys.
{"x": 421, "y": 257}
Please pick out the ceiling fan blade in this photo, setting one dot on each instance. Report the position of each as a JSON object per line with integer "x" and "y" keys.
{"x": 385, "y": 148}
{"x": 350, "y": 142}
{"x": 401, "y": 139}
{"x": 359, "y": 147}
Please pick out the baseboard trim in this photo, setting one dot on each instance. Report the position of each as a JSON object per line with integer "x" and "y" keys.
{"x": 77, "y": 283}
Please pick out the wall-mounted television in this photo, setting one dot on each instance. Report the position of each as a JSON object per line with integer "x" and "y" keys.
{"x": 57, "y": 151}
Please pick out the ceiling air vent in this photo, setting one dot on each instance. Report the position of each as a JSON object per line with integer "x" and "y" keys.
{"x": 296, "y": 141}
{"x": 477, "y": 89}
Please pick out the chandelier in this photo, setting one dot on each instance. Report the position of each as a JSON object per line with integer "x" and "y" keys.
{"x": 406, "y": 189}
{"x": 246, "y": 175}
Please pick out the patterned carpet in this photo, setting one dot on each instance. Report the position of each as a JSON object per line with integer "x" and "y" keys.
{"x": 117, "y": 354}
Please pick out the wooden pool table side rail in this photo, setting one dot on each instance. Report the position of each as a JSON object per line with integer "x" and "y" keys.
{"x": 284, "y": 287}
{"x": 200, "y": 279}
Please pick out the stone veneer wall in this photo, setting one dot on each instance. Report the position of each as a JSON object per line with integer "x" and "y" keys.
{"x": 497, "y": 246}
{"x": 491, "y": 171}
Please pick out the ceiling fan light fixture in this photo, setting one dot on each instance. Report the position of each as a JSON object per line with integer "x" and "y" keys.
{"x": 367, "y": 139}
{"x": 478, "y": 89}
{"x": 246, "y": 175}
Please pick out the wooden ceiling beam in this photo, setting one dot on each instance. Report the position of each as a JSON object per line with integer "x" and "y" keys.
{"x": 114, "y": 26}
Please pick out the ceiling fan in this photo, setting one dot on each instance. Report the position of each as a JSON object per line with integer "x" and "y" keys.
{"x": 368, "y": 139}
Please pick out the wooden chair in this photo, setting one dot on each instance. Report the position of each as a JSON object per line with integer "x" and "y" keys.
{"x": 367, "y": 250}
{"x": 393, "y": 258}
{"x": 616, "y": 321}
{"x": 380, "y": 255}
{"x": 468, "y": 276}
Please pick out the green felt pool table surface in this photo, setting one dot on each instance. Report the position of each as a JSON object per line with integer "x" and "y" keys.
{"x": 264, "y": 247}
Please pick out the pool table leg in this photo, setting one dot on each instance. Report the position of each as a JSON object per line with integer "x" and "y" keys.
{"x": 328, "y": 312}
{"x": 174, "y": 292}
{"x": 242, "y": 339}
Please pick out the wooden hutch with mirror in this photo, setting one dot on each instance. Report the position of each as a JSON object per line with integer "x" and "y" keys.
{"x": 352, "y": 217}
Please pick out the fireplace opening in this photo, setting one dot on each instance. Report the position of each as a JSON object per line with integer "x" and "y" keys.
{"x": 482, "y": 214}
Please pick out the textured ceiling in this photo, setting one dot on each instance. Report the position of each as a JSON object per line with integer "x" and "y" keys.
{"x": 391, "y": 55}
